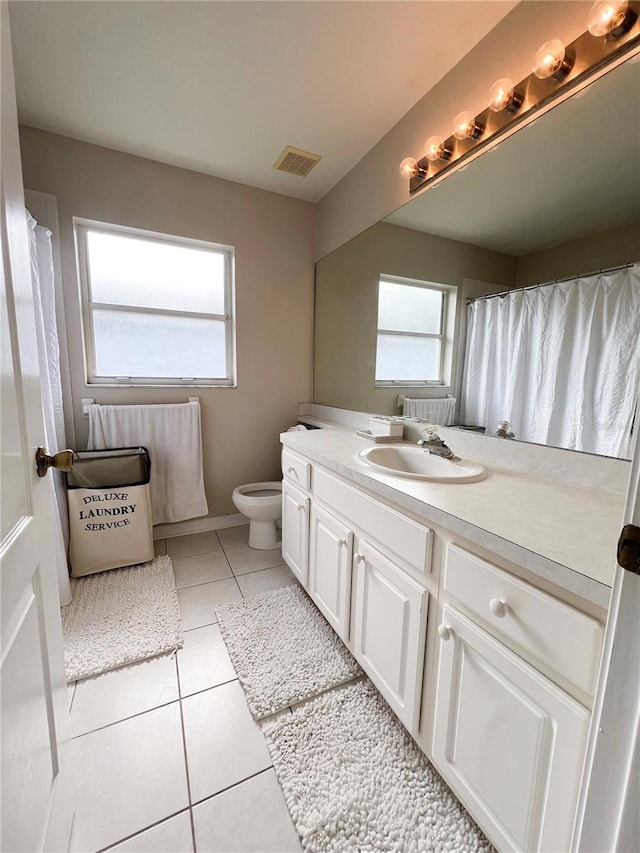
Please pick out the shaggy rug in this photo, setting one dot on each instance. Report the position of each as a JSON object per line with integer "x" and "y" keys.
{"x": 354, "y": 780}
{"x": 119, "y": 617}
{"x": 282, "y": 649}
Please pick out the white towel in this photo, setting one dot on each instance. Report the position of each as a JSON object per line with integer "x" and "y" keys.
{"x": 171, "y": 434}
{"x": 438, "y": 410}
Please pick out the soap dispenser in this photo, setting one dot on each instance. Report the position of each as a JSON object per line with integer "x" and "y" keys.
{"x": 504, "y": 430}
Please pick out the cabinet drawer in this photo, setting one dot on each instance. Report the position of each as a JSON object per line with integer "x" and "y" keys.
{"x": 558, "y": 635}
{"x": 296, "y": 469}
{"x": 405, "y": 539}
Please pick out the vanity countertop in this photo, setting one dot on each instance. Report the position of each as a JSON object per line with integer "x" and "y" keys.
{"x": 559, "y": 531}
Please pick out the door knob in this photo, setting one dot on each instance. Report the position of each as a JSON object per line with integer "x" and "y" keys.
{"x": 62, "y": 460}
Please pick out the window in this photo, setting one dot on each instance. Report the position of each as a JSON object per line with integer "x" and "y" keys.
{"x": 411, "y": 324}
{"x": 156, "y": 309}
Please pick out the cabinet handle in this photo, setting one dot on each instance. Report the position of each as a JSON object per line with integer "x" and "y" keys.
{"x": 498, "y": 607}
{"x": 445, "y": 632}
{"x": 342, "y": 543}
{"x": 359, "y": 558}
{"x": 291, "y": 470}
{"x": 300, "y": 506}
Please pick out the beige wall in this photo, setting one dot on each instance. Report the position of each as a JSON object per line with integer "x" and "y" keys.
{"x": 273, "y": 239}
{"x": 373, "y": 189}
{"x": 347, "y": 306}
{"x": 598, "y": 251}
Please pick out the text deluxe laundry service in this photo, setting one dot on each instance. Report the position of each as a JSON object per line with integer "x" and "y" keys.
{"x": 124, "y": 509}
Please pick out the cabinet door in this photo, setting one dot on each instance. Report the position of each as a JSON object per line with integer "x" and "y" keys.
{"x": 295, "y": 531}
{"x": 389, "y": 631}
{"x": 509, "y": 742}
{"x": 330, "y": 569}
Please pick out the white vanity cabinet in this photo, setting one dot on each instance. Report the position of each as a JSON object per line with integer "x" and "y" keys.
{"x": 508, "y": 739}
{"x": 330, "y": 562}
{"x": 388, "y": 579}
{"x": 296, "y": 506}
{"x": 390, "y": 622}
{"x": 295, "y": 531}
{"x": 497, "y": 692}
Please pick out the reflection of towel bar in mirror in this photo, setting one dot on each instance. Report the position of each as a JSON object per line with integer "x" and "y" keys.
{"x": 85, "y": 402}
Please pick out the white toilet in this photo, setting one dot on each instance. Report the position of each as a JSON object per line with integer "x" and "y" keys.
{"x": 262, "y": 504}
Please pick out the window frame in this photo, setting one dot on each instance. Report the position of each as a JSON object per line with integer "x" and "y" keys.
{"x": 82, "y": 227}
{"x": 445, "y": 290}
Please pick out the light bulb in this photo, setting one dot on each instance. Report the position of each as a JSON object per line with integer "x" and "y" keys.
{"x": 611, "y": 18}
{"x": 435, "y": 149}
{"x": 465, "y": 126}
{"x": 551, "y": 60}
{"x": 410, "y": 168}
{"x": 503, "y": 96}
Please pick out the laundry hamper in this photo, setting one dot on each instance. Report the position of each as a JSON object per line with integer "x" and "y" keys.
{"x": 109, "y": 510}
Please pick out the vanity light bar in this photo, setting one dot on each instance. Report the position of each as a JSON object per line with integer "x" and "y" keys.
{"x": 613, "y": 34}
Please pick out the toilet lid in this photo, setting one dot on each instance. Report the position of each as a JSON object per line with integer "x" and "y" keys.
{"x": 262, "y": 493}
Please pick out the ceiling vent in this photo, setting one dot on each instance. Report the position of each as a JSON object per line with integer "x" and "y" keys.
{"x": 296, "y": 162}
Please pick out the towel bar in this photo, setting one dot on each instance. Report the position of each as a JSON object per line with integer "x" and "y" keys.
{"x": 85, "y": 402}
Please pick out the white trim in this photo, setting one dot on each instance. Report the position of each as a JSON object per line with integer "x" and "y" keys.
{"x": 445, "y": 290}
{"x": 82, "y": 227}
{"x": 198, "y": 525}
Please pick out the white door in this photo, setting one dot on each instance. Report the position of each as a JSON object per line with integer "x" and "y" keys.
{"x": 389, "y": 631}
{"x": 295, "y": 531}
{"x": 330, "y": 569}
{"x": 508, "y": 740}
{"x": 608, "y": 814}
{"x": 37, "y": 772}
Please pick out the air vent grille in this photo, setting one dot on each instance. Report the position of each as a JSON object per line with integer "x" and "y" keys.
{"x": 296, "y": 162}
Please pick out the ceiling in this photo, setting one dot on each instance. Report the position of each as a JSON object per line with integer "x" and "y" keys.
{"x": 572, "y": 173}
{"x": 222, "y": 87}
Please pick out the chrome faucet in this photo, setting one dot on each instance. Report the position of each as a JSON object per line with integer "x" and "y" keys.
{"x": 432, "y": 443}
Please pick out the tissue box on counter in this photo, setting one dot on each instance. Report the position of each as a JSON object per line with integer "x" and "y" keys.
{"x": 386, "y": 426}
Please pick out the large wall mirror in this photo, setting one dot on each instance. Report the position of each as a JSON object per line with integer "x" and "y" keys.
{"x": 557, "y": 200}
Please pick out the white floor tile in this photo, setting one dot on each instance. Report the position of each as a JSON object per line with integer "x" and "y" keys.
{"x": 200, "y": 568}
{"x": 252, "y": 816}
{"x": 122, "y": 693}
{"x": 231, "y": 537}
{"x": 244, "y": 559}
{"x": 170, "y": 836}
{"x": 198, "y": 603}
{"x": 160, "y": 547}
{"x": 203, "y": 662}
{"x": 224, "y": 744}
{"x": 129, "y": 775}
{"x": 265, "y": 580}
{"x": 194, "y": 543}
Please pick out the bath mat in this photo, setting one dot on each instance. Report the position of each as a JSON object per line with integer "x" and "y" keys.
{"x": 282, "y": 649}
{"x": 120, "y": 617}
{"x": 354, "y": 779}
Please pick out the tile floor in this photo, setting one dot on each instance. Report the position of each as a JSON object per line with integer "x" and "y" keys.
{"x": 169, "y": 758}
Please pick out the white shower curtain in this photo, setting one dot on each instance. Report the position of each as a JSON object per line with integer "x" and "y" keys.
{"x": 559, "y": 362}
{"x": 49, "y": 362}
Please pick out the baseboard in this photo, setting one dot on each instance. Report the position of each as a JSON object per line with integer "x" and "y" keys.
{"x": 198, "y": 525}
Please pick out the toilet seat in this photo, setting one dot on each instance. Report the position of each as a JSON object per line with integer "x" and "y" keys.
{"x": 260, "y": 491}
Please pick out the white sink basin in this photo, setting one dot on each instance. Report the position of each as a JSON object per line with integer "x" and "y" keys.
{"x": 418, "y": 464}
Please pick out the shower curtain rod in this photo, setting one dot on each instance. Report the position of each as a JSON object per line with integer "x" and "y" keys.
{"x": 555, "y": 281}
